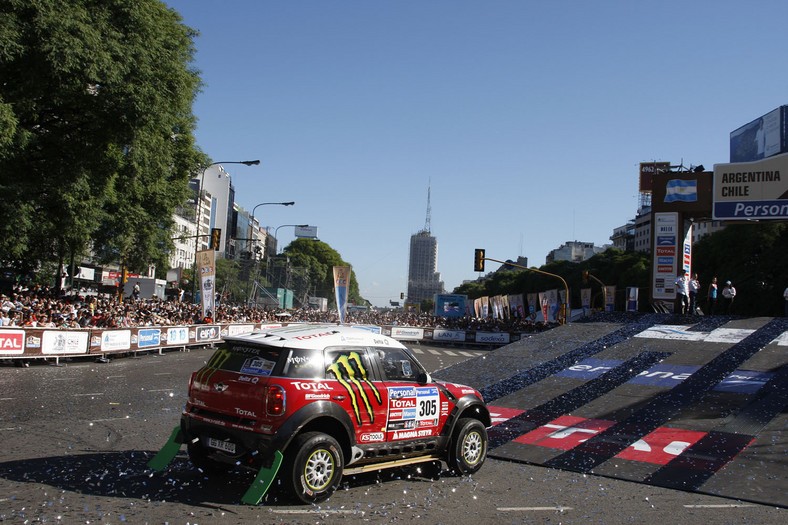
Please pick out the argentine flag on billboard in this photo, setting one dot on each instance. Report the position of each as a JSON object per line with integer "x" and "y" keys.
{"x": 681, "y": 190}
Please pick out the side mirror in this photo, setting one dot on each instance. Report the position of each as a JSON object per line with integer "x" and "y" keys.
{"x": 423, "y": 378}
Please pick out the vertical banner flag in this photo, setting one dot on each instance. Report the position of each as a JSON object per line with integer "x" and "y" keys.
{"x": 341, "y": 283}
{"x": 585, "y": 298}
{"x": 533, "y": 302}
{"x": 610, "y": 298}
{"x": 544, "y": 300}
{"x": 632, "y": 299}
{"x": 206, "y": 260}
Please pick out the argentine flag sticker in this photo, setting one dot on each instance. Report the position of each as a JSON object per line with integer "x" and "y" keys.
{"x": 681, "y": 190}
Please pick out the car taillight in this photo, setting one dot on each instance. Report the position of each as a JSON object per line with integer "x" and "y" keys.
{"x": 275, "y": 401}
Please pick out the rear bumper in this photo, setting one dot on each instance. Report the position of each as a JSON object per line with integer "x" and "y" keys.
{"x": 252, "y": 449}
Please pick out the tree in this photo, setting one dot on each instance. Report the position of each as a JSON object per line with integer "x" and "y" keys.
{"x": 320, "y": 259}
{"x": 96, "y": 129}
{"x": 754, "y": 258}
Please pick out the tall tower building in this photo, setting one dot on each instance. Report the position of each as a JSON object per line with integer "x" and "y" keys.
{"x": 424, "y": 280}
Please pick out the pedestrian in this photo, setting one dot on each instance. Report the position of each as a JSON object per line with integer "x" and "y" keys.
{"x": 136, "y": 291}
{"x": 785, "y": 296}
{"x": 694, "y": 286}
{"x": 682, "y": 292}
{"x": 711, "y": 297}
{"x": 728, "y": 295}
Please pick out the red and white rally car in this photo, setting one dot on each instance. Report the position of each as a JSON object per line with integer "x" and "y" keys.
{"x": 314, "y": 402}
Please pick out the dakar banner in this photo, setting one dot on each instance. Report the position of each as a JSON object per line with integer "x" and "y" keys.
{"x": 206, "y": 260}
{"x": 341, "y": 283}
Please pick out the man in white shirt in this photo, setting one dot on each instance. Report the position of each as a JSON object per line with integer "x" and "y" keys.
{"x": 682, "y": 292}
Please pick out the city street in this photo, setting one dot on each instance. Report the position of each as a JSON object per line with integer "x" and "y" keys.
{"x": 77, "y": 438}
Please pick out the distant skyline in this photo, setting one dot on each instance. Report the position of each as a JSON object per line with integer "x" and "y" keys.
{"x": 527, "y": 119}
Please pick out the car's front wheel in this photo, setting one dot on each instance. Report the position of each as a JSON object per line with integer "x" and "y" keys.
{"x": 313, "y": 467}
{"x": 468, "y": 448}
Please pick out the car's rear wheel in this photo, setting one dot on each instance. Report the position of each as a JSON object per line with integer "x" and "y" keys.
{"x": 313, "y": 467}
{"x": 468, "y": 447}
{"x": 198, "y": 454}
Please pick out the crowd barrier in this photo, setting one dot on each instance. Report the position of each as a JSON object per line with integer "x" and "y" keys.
{"x": 54, "y": 343}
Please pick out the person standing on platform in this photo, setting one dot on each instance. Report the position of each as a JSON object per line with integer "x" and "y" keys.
{"x": 728, "y": 295}
{"x": 711, "y": 297}
{"x": 682, "y": 292}
{"x": 694, "y": 286}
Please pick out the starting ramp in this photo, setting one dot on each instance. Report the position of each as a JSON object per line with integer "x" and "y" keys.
{"x": 683, "y": 402}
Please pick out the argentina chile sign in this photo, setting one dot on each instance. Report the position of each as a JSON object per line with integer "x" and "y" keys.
{"x": 752, "y": 190}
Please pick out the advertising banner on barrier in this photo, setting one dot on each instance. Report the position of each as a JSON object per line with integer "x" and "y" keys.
{"x": 493, "y": 337}
{"x": 341, "y": 285}
{"x": 407, "y": 332}
{"x": 448, "y": 335}
{"x": 207, "y": 333}
{"x": 206, "y": 261}
{"x": 60, "y": 342}
{"x": 178, "y": 335}
{"x": 115, "y": 340}
{"x": 12, "y": 342}
{"x": 147, "y": 338}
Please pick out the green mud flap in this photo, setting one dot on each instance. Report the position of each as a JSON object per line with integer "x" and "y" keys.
{"x": 168, "y": 452}
{"x": 263, "y": 481}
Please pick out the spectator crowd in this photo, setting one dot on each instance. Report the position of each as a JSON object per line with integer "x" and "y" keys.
{"x": 39, "y": 307}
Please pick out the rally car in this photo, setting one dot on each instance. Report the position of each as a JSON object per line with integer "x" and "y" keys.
{"x": 311, "y": 403}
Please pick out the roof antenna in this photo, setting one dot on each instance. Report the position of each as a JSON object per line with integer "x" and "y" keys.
{"x": 429, "y": 209}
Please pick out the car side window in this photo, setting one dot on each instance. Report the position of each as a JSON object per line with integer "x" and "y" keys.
{"x": 347, "y": 363}
{"x": 397, "y": 364}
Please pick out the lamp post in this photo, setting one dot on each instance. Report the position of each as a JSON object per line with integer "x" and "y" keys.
{"x": 291, "y": 203}
{"x": 199, "y": 213}
{"x": 276, "y": 232}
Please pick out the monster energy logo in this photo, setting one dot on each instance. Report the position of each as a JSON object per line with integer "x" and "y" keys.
{"x": 351, "y": 373}
{"x": 217, "y": 360}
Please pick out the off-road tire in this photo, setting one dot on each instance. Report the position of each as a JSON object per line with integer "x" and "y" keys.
{"x": 468, "y": 448}
{"x": 313, "y": 467}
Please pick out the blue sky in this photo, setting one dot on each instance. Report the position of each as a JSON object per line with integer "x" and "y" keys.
{"x": 528, "y": 119}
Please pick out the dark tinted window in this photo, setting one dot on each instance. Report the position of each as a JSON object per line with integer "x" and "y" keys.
{"x": 304, "y": 364}
{"x": 246, "y": 359}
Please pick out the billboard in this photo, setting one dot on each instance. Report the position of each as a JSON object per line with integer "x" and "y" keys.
{"x": 761, "y": 138}
{"x": 664, "y": 264}
{"x": 751, "y": 190}
{"x": 647, "y": 172}
{"x": 306, "y": 232}
{"x": 450, "y": 305}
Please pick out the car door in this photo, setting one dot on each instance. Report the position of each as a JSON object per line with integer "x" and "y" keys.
{"x": 416, "y": 410}
{"x": 356, "y": 388}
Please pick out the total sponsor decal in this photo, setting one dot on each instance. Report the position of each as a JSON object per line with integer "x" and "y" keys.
{"x": 740, "y": 381}
{"x": 566, "y": 432}
{"x": 12, "y": 342}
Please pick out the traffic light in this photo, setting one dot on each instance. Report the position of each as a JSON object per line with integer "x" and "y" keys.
{"x": 478, "y": 261}
{"x": 125, "y": 276}
{"x": 216, "y": 238}
{"x": 585, "y": 276}
{"x": 402, "y": 295}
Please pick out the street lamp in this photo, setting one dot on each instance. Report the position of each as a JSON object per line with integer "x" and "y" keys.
{"x": 199, "y": 213}
{"x": 276, "y": 231}
{"x": 291, "y": 203}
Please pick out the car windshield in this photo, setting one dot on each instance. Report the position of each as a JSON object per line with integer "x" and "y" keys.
{"x": 246, "y": 359}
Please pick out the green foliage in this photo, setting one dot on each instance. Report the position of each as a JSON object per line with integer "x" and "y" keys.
{"x": 613, "y": 267}
{"x": 96, "y": 144}
{"x": 754, "y": 257}
{"x": 320, "y": 259}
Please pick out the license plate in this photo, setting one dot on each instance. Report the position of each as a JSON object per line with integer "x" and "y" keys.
{"x": 226, "y": 446}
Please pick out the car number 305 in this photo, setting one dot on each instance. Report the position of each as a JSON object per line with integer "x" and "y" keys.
{"x": 428, "y": 408}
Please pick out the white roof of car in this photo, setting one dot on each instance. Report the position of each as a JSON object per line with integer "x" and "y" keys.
{"x": 316, "y": 336}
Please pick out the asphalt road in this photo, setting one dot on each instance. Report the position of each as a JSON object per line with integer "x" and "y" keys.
{"x": 76, "y": 439}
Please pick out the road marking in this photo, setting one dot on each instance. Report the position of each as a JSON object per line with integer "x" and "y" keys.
{"x": 417, "y": 351}
{"x": 466, "y": 354}
{"x": 108, "y": 419}
{"x": 433, "y": 352}
{"x": 92, "y": 394}
{"x": 526, "y": 509}
{"x": 449, "y": 352}
{"x": 161, "y": 390}
{"x": 163, "y": 374}
{"x": 723, "y": 506}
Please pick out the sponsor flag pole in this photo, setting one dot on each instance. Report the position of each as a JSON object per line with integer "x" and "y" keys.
{"x": 341, "y": 283}
{"x": 206, "y": 262}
